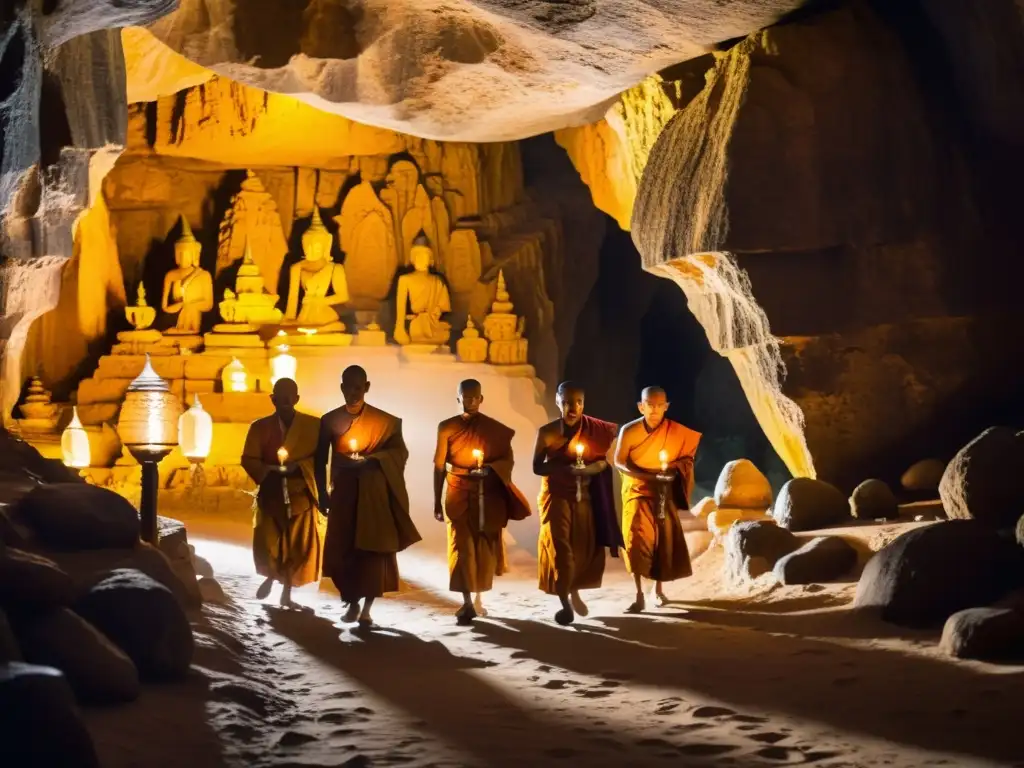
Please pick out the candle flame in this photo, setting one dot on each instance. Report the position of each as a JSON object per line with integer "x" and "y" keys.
{"x": 479, "y": 456}
{"x": 352, "y": 445}
{"x": 282, "y": 454}
{"x": 663, "y": 457}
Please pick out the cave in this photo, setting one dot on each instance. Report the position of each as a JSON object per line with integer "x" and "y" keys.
{"x": 794, "y": 220}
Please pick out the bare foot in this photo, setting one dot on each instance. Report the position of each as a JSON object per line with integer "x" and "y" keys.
{"x": 565, "y": 617}
{"x": 365, "y": 620}
{"x": 264, "y": 589}
{"x": 662, "y": 599}
{"x": 637, "y": 606}
{"x": 465, "y": 615}
{"x": 478, "y": 606}
{"x": 352, "y": 614}
{"x": 578, "y": 605}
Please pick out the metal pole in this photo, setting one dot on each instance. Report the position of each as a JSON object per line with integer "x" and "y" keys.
{"x": 147, "y": 507}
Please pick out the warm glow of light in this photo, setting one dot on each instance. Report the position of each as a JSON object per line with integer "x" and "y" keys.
{"x": 234, "y": 377}
{"x": 479, "y": 456}
{"x": 663, "y": 458}
{"x": 283, "y": 365}
{"x": 352, "y": 444}
{"x": 195, "y": 432}
{"x": 308, "y": 331}
{"x": 74, "y": 443}
{"x": 579, "y": 450}
{"x": 282, "y": 455}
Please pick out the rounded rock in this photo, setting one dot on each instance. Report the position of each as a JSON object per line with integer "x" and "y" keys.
{"x": 743, "y": 485}
{"x": 874, "y": 500}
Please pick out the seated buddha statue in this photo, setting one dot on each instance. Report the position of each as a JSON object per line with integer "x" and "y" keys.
{"x": 249, "y": 303}
{"x": 426, "y": 297}
{"x": 323, "y": 282}
{"x": 188, "y": 289}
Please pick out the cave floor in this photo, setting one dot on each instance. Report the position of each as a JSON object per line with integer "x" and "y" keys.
{"x": 760, "y": 675}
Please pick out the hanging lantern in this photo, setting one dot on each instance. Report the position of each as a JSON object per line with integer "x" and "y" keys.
{"x": 195, "y": 432}
{"x": 234, "y": 377}
{"x": 74, "y": 443}
{"x": 283, "y": 365}
{"x": 149, "y": 415}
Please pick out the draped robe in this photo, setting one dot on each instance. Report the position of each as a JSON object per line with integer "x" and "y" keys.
{"x": 574, "y": 534}
{"x": 368, "y": 521}
{"x": 656, "y": 549}
{"x": 476, "y": 553}
{"x": 288, "y": 539}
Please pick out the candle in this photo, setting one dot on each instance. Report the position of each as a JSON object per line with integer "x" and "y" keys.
{"x": 479, "y": 456}
{"x": 282, "y": 455}
{"x": 353, "y": 448}
{"x": 663, "y": 458}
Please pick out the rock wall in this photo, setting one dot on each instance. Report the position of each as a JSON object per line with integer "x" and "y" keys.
{"x": 860, "y": 165}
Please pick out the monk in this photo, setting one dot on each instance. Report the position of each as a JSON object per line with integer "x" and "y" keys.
{"x": 288, "y": 529}
{"x": 577, "y": 513}
{"x": 368, "y": 521}
{"x": 474, "y": 454}
{"x": 655, "y": 457}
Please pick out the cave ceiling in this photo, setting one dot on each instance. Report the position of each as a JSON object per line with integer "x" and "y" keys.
{"x": 456, "y": 70}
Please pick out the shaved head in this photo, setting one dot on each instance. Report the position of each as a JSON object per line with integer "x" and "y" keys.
{"x": 471, "y": 395}
{"x": 284, "y": 387}
{"x": 569, "y": 386}
{"x": 284, "y": 396}
{"x": 653, "y": 392}
{"x": 569, "y": 398}
{"x": 354, "y": 373}
{"x": 469, "y": 385}
{"x": 653, "y": 405}
{"x": 354, "y": 386}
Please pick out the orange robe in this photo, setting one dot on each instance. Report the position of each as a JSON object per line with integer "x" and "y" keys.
{"x": 656, "y": 549}
{"x": 570, "y": 555}
{"x": 368, "y": 521}
{"x": 476, "y": 549}
{"x": 287, "y": 539}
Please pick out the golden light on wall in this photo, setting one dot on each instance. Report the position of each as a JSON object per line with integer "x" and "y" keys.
{"x": 149, "y": 415}
{"x": 234, "y": 377}
{"x": 283, "y": 365}
{"x": 74, "y": 443}
{"x": 195, "y": 432}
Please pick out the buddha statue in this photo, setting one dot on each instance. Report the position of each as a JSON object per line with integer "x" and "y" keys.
{"x": 249, "y": 304}
{"x": 425, "y": 295}
{"x": 188, "y": 289}
{"x": 323, "y": 282}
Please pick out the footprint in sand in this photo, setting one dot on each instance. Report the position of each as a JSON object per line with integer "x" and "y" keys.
{"x": 292, "y": 676}
{"x": 690, "y": 728}
{"x": 609, "y": 684}
{"x": 705, "y": 750}
{"x": 749, "y": 719}
{"x": 555, "y": 685}
{"x": 665, "y": 706}
{"x": 343, "y": 695}
{"x": 769, "y": 737}
{"x": 294, "y": 739}
{"x": 334, "y": 718}
{"x": 544, "y": 668}
{"x": 363, "y": 710}
{"x": 593, "y": 693}
{"x": 782, "y": 755}
{"x": 708, "y": 711}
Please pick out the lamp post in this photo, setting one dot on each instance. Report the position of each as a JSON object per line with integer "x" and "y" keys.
{"x": 148, "y": 427}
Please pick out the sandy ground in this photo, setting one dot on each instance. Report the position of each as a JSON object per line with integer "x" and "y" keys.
{"x": 754, "y": 676}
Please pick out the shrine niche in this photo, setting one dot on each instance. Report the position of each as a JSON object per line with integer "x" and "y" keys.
{"x": 252, "y": 222}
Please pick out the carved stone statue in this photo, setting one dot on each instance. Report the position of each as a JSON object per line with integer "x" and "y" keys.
{"x": 426, "y": 296}
{"x": 141, "y": 316}
{"x": 188, "y": 290}
{"x": 249, "y": 304}
{"x": 505, "y": 330}
{"x": 323, "y": 282}
{"x": 471, "y": 348}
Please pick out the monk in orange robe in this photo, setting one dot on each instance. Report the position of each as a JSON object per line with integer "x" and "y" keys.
{"x": 655, "y": 456}
{"x": 288, "y": 529}
{"x": 474, "y": 454}
{"x": 368, "y": 521}
{"x": 577, "y": 513}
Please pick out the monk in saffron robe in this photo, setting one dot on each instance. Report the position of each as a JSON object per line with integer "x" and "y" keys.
{"x": 288, "y": 529}
{"x": 577, "y": 513}
{"x": 655, "y": 456}
{"x": 474, "y": 454}
{"x": 368, "y": 521}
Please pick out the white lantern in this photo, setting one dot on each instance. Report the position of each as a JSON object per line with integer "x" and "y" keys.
{"x": 195, "y": 432}
{"x": 74, "y": 443}
{"x": 282, "y": 365}
{"x": 234, "y": 377}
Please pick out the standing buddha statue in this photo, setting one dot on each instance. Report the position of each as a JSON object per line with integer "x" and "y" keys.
{"x": 426, "y": 296}
{"x": 188, "y": 289}
{"x": 323, "y": 282}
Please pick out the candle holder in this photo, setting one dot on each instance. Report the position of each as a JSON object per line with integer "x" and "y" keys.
{"x": 479, "y": 456}
{"x": 662, "y": 493}
{"x": 579, "y": 456}
{"x": 282, "y": 459}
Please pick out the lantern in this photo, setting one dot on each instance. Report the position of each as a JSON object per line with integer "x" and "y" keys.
{"x": 234, "y": 377}
{"x": 74, "y": 443}
{"x": 282, "y": 365}
{"x": 195, "y": 432}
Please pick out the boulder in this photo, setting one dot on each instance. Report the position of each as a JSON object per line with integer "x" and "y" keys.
{"x": 987, "y": 634}
{"x": 144, "y": 619}
{"x": 700, "y": 510}
{"x": 76, "y": 516}
{"x": 928, "y": 574}
{"x": 874, "y": 500}
{"x": 923, "y": 476}
{"x": 97, "y": 670}
{"x": 742, "y": 485}
{"x": 173, "y": 542}
{"x": 212, "y": 591}
{"x": 28, "y": 580}
{"x": 202, "y": 567}
{"x": 9, "y": 650}
{"x": 752, "y": 547}
{"x": 822, "y": 559}
{"x": 41, "y": 725}
{"x": 806, "y": 505}
{"x": 721, "y": 520}
{"x": 984, "y": 480}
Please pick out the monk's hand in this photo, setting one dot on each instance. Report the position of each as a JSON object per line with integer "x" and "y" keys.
{"x": 480, "y": 472}
{"x": 438, "y": 513}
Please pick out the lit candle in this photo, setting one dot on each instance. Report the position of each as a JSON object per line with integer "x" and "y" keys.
{"x": 579, "y": 451}
{"x": 479, "y": 456}
{"x": 663, "y": 458}
{"x": 282, "y": 455}
{"x": 353, "y": 448}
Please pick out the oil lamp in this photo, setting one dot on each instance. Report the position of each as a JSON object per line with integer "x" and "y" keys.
{"x": 234, "y": 377}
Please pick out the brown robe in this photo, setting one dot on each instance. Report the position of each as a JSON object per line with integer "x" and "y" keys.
{"x": 476, "y": 549}
{"x": 368, "y": 521}
{"x": 656, "y": 549}
{"x": 288, "y": 539}
{"x": 569, "y": 553}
